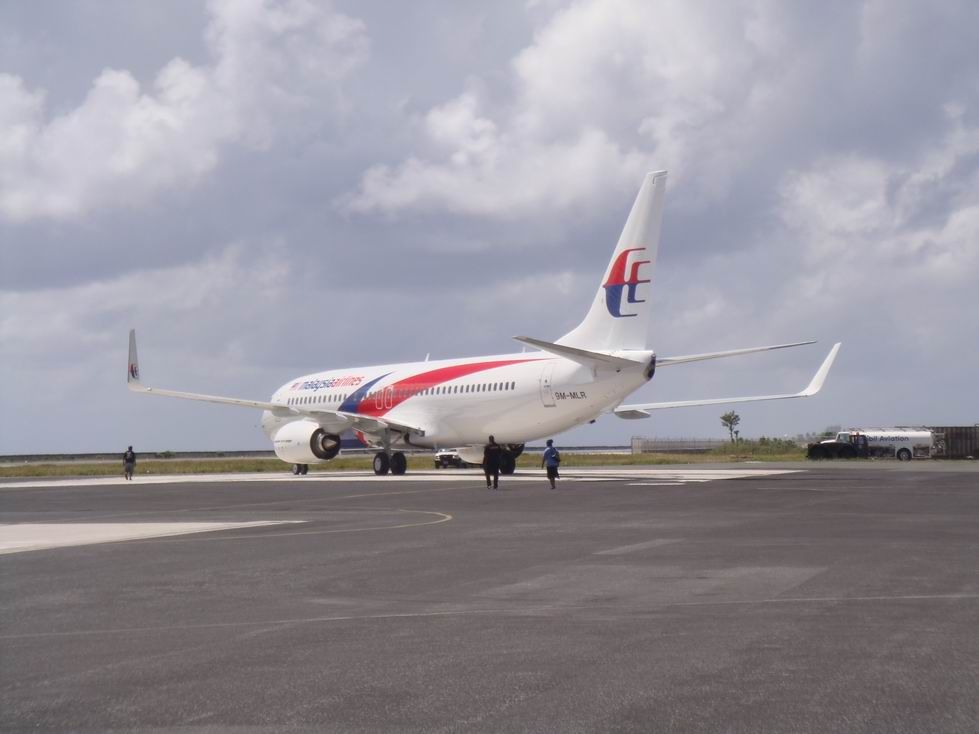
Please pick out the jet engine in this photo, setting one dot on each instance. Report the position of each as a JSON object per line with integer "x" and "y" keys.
{"x": 474, "y": 454}
{"x": 471, "y": 454}
{"x": 305, "y": 442}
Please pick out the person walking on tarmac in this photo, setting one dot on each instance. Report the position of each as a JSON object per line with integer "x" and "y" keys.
{"x": 551, "y": 459}
{"x": 492, "y": 453}
{"x": 129, "y": 462}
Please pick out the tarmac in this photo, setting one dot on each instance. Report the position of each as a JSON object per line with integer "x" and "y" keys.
{"x": 805, "y": 597}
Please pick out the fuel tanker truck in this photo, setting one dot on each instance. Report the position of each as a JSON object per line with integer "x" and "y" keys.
{"x": 903, "y": 444}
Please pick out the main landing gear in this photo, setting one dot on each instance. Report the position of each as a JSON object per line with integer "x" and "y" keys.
{"x": 508, "y": 461}
{"x": 300, "y": 469}
{"x": 396, "y": 463}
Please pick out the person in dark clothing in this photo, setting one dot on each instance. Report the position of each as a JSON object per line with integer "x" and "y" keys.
{"x": 129, "y": 462}
{"x": 491, "y": 463}
{"x": 552, "y": 460}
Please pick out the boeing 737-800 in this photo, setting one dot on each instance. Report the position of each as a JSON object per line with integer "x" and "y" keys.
{"x": 515, "y": 397}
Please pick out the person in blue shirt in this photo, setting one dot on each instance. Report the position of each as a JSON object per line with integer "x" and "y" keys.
{"x": 551, "y": 459}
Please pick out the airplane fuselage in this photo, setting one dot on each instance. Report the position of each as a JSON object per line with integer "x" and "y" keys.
{"x": 515, "y": 397}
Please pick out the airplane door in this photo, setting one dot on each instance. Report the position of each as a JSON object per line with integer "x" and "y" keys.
{"x": 546, "y": 389}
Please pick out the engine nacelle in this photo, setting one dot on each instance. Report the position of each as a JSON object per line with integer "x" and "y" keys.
{"x": 471, "y": 454}
{"x": 304, "y": 442}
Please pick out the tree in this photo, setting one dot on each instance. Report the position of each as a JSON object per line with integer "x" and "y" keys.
{"x": 729, "y": 420}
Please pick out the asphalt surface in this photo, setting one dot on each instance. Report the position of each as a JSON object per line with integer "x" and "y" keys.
{"x": 841, "y": 598}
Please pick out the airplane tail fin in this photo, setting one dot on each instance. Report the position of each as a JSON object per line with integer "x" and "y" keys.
{"x": 619, "y": 315}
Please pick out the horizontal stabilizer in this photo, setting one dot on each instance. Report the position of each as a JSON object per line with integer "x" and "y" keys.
{"x": 582, "y": 356}
{"x": 640, "y": 410}
{"x": 667, "y": 361}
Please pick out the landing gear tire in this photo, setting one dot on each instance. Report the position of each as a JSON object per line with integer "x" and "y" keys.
{"x": 381, "y": 463}
{"x": 399, "y": 464}
{"x": 304, "y": 470}
{"x": 904, "y": 455}
{"x": 508, "y": 464}
{"x": 297, "y": 469}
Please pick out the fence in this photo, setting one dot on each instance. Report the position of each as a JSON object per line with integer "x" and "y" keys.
{"x": 643, "y": 445}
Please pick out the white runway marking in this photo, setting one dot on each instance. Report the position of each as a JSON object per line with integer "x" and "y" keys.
{"x": 636, "y": 547}
{"x": 658, "y": 476}
{"x": 40, "y": 536}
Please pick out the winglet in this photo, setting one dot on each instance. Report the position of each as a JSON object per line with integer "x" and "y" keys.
{"x": 820, "y": 377}
{"x": 132, "y": 372}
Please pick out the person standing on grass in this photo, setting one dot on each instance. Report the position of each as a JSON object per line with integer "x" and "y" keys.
{"x": 551, "y": 460}
{"x": 492, "y": 452}
{"x": 129, "y": 462}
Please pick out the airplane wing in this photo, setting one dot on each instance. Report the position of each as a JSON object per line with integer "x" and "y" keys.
{"x": 363, "y": 423}
{"x": 134, "y": 383}
{"x": 367, "y": 424}
{"x": 640, "y": 410}
{"x": 667, "y": 361}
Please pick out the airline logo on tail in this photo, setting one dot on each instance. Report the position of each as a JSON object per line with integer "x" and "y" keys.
{"x": 617, "y": 282}
{"x": 134, "y": 371}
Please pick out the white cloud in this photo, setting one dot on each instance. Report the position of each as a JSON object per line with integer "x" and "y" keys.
{"x": 849, "y": 211}
{"x": 606, "y": 91}
{"x": 74, "y": 320}
{"x": 273, "y": 63}
{"x": 488, "y": 171}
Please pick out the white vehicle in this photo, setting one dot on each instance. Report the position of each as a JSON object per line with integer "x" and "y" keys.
{"x": 903, "y": 443}
{"x": 516, "y": 397}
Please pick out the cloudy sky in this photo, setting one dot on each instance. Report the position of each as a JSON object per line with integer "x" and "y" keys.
{"x": 265, "y": 188}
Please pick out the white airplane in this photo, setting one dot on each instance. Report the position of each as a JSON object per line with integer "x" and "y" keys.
{"x": 516, "y": 397}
